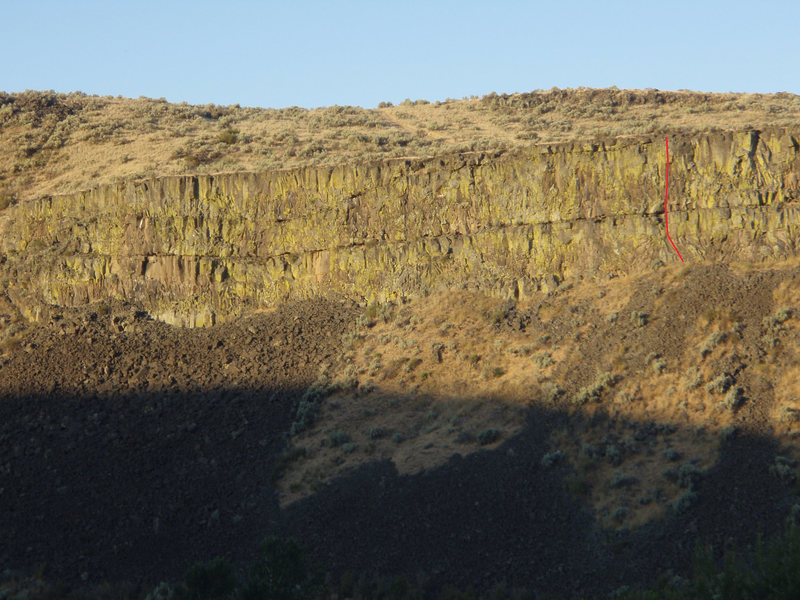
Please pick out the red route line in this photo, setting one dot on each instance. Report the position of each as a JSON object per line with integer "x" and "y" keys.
{"x": 666, "y": 192}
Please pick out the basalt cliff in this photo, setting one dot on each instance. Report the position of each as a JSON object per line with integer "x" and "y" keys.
{"x": 194, "y": 250}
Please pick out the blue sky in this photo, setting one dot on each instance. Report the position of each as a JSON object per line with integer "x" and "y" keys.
{"x": 310, "y": 54}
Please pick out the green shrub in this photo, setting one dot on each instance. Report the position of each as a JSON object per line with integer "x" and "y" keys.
{"x": 783, "y": 468}
{"x": 774, "y": 322}
{"x": 228, "y": 137}
{"x": 523, "y": 350}
{"x": 693, "y": 378}
{"x": 688, "y": 475}
{"x": 671, "y": 455}
{"x": 552, "y": 392}
{"x": 498, "y": 315}
{"x": 376, "y": 433}
{"x": 163, "y": 591}
{"x": 720, "y": 384}
{"x": 624, "y": 397}
{"x": 338, "y": 438}
{"x": 621, "y": 480}
{"x": 487, "y": 436}
{"x": 789, "y": 414}
{"x": 350, "y": 380}
{"x": 620, "y": 513}
{"x": 350, "y": 338}
{"x": 638, "y": 319}
{"x": 305, "y": 415}
{"x": 375, "y": 365}
{"x": 279, "y": 573}
{"x": 551, "y": 458}
{"x": 375, "y": 311}
{"x": 213, "y": 580}
{"x": 613, "y": 454}
{"x": 770, "y": 571}
{"x": 651, "y": 495}
{"x": 684, "y": 502}
{"x": 430, "y": 427}
{"x": 192, "y": 161}
{"x": 734, "y": 398}
{"x": 412, "y": 364}
{"x": 592, "y": 392}
{"x": 670, "y": 473}
{"x": 308, "y": 406}
{"x": 711, "y": 342}
{"x": 658, "y": 365}
{"x": 589, "y": 451}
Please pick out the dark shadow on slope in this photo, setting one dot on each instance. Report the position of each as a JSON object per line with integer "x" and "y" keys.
{"x": 500, "y": 515}
{"x": 139, "y": 487}
{"x": 476, "y": 520}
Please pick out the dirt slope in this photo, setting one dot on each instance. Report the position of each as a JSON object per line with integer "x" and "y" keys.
{"x": 131, "y": 449}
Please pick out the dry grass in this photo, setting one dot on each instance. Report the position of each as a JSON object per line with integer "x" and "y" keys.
{"x": 430, "y": 381}
{"x": 55, "y": 143}
{"x": 434, "y": 373}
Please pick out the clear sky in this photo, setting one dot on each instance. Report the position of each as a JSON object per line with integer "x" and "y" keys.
{"x": 308, "y": 53}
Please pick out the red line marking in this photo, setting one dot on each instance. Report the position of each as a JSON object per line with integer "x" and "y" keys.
{"x": 666, "y": 192}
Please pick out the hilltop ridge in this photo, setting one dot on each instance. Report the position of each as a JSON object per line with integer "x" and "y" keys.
{"x": 59, "y": 143}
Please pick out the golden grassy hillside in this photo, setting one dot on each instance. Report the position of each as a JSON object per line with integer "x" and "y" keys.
{"x": 53, "y": 143}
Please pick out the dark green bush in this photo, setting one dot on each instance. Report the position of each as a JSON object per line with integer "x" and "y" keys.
{"x": 487, "y": 436}
{"x": 213, "y": 580}
{"x": 338, "y": 438}
{"x": 279, "y": 573}
{"x": 306, "y": 414}
{"x": 376, "y": 433}
{"x": 771, "y": 572}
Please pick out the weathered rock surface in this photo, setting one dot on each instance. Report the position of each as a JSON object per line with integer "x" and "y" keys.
{"x": 192, "y": 250}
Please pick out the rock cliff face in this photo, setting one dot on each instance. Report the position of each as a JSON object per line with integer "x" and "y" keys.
{"x": 192, "y": 250}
